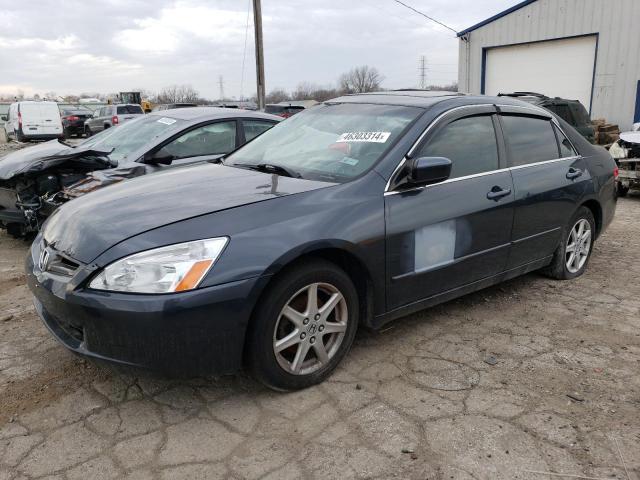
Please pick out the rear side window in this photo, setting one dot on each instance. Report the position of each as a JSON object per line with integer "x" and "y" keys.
{"x": 470, "y": 144}
{"x": 563, "y": 112}
{"x": 274, "y": 109}
{"x": 530, "y": 139}
{"x": 124, "y": 109}
{"x": 253, "y": 128}
{"x": 580, "y": 113}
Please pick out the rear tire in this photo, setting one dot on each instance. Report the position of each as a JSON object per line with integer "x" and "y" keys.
{"x": 572, "y": 255}
{"x": 294, "y": 341}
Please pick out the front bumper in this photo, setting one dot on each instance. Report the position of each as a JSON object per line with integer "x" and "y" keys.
{"x": 190, "y": 333}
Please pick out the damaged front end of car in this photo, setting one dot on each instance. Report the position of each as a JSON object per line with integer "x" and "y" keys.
{"x": 31, "y": 190}
{"x": 626, "y": 153}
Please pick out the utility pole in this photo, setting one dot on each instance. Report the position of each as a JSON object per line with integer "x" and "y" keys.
{"x": 257, "y": 22}
{"x": 422, "y": 83}
{"x": 221, "y": 83}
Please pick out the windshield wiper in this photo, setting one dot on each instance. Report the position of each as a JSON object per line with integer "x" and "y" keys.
{"x": 270, "y": 168}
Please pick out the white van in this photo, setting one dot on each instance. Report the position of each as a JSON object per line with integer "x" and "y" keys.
{"x": 33, "y": 121}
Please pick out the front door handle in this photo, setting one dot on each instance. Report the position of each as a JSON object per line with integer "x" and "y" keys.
{"x": 496, "y": 193}
{"x": 573, "y": 173}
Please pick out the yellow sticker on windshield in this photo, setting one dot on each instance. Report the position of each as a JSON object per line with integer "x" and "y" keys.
{"x": 375, "y": 137}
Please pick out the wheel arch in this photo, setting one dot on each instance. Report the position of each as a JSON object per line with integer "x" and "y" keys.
{"x": 596, "y": 209}
{"x": 338, "y": 252}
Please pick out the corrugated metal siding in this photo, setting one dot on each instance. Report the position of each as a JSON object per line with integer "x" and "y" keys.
{"x": 618, "y": 62}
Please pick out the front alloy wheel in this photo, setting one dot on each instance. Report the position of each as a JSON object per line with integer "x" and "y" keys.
{"x": 303, "y": 325}
{"x": 310, "y": 328}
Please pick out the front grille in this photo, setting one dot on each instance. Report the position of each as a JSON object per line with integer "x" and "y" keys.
{"x": 51, "y": 260}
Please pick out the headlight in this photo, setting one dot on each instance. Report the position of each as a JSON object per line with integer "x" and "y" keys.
{"x": 175, "y": 268}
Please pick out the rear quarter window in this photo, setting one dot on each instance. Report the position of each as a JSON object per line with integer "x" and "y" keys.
{"x": 529, "y": 139}
{"x": 131, "y": 109}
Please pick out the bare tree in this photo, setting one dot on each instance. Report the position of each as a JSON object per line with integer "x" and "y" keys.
{"x": 177, "y": 94}
{"x": 361, "y": 79}
{"x": 277, "y": 95}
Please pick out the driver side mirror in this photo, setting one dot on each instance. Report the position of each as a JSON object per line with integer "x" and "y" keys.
{"x": 4, "y": 117}
{"x": 162, "y": 157}
{"x": 428, "y": 170}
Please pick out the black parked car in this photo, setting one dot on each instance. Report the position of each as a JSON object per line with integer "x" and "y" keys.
{"x": 73, "y": 120}
{"x": 358, "y": 211}
{"x": 571, "y": 111}
{"x": 35, "y": 181}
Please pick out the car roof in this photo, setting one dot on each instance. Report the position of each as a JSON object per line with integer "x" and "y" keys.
{"x": 207, "y": 113}
{"x": 426, "y": 99}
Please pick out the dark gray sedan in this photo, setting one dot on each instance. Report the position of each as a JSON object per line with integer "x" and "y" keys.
{"x": 35, "y": 181}
{"x": 351, "y": 213}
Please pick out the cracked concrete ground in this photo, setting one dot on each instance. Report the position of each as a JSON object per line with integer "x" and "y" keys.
{"x": 420, "y": 399}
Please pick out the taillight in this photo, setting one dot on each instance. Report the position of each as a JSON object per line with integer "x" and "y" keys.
{"x": 114, "y": 120}
{"x": 19, "y": 120}
{"x": 616, "y": 172}
{"x": 71, "y": 118}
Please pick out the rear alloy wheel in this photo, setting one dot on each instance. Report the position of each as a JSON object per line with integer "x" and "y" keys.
{"x": 572, "y": 255}
{"x": 304, "y": 327}
{"x": 578, "y": 246}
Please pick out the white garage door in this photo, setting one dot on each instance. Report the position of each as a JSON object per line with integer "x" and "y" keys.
{"x": 557, "y": 68}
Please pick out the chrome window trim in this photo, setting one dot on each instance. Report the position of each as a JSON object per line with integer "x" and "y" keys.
{"x": 532, "y": 109}
{"x": 544, "y": 162}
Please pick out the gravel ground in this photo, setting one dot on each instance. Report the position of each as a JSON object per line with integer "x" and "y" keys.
{"x": 530, "y": 376}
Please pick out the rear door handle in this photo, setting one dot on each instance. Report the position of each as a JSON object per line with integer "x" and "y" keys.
{"x": 573, "y": 173}
{"x": 496, "y": 193}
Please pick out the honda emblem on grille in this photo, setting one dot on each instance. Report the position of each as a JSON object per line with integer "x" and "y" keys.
{"x": 43, "y": 260}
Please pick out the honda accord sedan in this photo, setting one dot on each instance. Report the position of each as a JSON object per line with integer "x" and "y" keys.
{"x": 354, "y": 213}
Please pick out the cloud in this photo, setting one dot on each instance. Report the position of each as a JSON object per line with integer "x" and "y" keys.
{"x": 116, "y": 45}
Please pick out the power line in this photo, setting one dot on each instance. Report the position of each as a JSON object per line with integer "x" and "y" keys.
{"x": 426, "y": 16}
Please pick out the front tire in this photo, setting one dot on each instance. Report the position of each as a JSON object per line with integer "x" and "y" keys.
{"x": 303, "y": 326}
{"x": 572, "y": 256}
{"x": 87, "y": 131}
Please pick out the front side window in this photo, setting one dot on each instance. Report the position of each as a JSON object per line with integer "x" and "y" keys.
{"x": 530, "y": 139}
{"x": 331, "y": 142}
{"x": 470, "y": 144}
{"x": 253, "y": 128}
{"x": 212, "y": 139}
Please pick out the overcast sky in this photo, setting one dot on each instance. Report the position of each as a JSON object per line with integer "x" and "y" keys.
{"x": 71, "y": 46}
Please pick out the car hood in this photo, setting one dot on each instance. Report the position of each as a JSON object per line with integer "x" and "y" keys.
{"x": 43, "y": 156}
{"x": 86, "y": 227}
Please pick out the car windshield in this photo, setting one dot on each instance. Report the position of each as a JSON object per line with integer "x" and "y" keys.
{"x": 331, "y": 142}
{"x": 132, "y": 135}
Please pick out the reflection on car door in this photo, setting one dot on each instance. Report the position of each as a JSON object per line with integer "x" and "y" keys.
{"x": 549, "y": 178}
{"x": 443, "y": 236}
